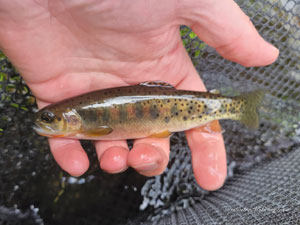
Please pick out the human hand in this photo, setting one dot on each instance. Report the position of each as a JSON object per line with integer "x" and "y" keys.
{"x": 65, "y": 48}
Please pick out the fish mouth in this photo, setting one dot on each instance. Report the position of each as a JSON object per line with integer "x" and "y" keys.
{"x": 46, "y": 131}
{"x": 40, "y": 130}
{"x": 43, "y": 130}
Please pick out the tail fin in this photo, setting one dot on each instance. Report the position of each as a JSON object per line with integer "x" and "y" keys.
{"x": 252, "y": 102}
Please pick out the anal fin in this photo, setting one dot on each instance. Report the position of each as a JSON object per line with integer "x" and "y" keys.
{"x": 211, "y": 127}
{"x": 163, "y": 134}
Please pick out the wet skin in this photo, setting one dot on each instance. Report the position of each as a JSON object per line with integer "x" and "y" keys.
{"x": 149, "y": 109}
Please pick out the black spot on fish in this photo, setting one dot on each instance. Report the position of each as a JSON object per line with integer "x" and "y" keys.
{"x": 200, "y": 116}
{"x": 191, "y": 107}
{"x": 182, "y": 104}
{"x": 184, "y": 118}
{"x": 154, "y": 112}
{"x": 189, "y": 112}
{"x": 161, "y": 105}
{"x": 59, "y": 118}
{"x": 176, "y": 113}
{"x": 173, "y": 110}
{"x": 167, "y": 119}
{"x": 168, "y": 100}
{"x": 139, "y": 113}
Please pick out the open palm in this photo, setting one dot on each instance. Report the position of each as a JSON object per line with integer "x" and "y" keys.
{"x": 64, "y": 48}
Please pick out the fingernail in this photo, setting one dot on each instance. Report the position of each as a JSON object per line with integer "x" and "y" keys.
{"x": 146, "y": 167}
{"x": 116, "y": 171}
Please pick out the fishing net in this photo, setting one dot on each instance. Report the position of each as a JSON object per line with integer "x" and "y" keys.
{"x": 263, "y": 165}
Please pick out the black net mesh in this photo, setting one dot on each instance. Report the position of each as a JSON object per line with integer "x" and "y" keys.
{"x": 263, "y": 169}
{"x": 267, "y": 194}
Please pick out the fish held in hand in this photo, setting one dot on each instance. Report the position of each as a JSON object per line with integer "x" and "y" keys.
{"x": 149, "y": 109}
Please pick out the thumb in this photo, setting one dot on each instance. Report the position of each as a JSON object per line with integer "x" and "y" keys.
{"x": 225, "y": 27}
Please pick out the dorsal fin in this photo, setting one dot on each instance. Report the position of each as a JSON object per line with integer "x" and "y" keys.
{"x": 156, "y": 83}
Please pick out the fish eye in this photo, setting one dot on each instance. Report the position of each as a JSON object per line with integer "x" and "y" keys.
{"x": 47, "y": 117}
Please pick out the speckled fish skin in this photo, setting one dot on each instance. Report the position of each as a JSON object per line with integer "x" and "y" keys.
{"x": 148, "y": 109}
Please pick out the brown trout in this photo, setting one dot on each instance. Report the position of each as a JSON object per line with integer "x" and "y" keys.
{"x": 149, "y": 109}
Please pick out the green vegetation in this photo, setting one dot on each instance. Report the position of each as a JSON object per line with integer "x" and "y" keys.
{"x": 193, "y": 45}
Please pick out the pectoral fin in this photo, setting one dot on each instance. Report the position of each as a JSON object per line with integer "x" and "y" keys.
{"x": 97, "y": 132}
{"x": 163, "y": 134}
{"x": 58, "y": 136}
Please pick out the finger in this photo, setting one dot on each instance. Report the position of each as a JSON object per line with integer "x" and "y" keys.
{"x": 112, "y": 155}
{"x": 149, "y": 156}
{"x": 224, "y": 26}
{"x": 208, "y": 158}
{"x": 207, "y": 148}
{"x": 69, "y": 155}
